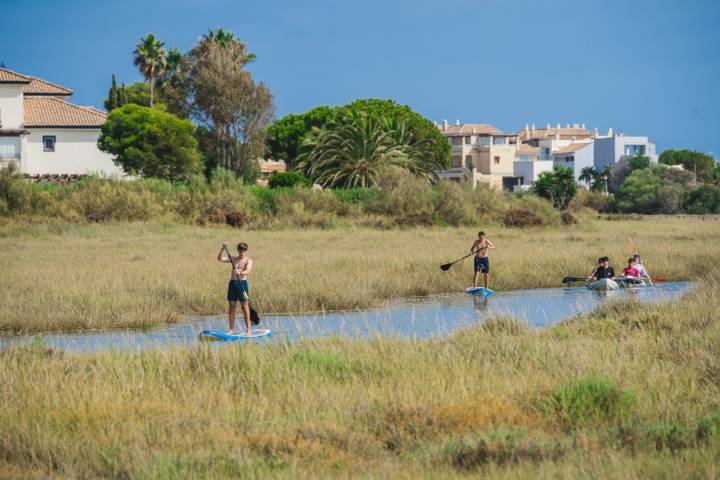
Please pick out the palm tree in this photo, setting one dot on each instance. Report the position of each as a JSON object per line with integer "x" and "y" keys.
{"x": 225, "y": 38}
{"x": 587, "y": 175}
{"x": 151, "y": 59}
{"x": 353, "y": 153}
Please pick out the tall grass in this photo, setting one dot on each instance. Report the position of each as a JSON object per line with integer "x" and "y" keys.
{"x": 474, "y": 403}
{"x": 65, "y": 277}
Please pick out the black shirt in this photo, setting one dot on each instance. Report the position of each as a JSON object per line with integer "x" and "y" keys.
{"x": 603, "y": 272}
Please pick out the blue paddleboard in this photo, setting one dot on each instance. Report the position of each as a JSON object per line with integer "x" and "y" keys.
{"x": 479, "y": 291}
{"x": 224, "y": 337}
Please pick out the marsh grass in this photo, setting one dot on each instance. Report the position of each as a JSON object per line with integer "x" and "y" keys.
{"x": 60, "y": 277}
{"x": 474, "y": 403}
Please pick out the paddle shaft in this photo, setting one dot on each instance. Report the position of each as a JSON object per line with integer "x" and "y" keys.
{"x": 448, "y": 265}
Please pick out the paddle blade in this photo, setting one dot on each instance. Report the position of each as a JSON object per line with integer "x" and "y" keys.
{"x": 660, "y": 280}
{"x": 254, "y": 317}
{"x": 446, "y": 267}
{"x": 569, "y": 280}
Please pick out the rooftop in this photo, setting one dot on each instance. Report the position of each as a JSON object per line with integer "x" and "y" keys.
{"x": 42, "y": 111}
{"x": 573, "y": 147}
{"x": 470, "y": 129}
{"x": 34, "y": 85}
{"x": 565, "y": 133}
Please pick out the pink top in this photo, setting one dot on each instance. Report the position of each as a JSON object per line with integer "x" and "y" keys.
{"x": 631, "y": 272}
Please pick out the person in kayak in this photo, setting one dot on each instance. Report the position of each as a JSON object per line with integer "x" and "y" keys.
{"x": 603, "y": 270}
{"x": 482, "y": 261}
{"x": 631, "y": 271}
{"x": 238, "y": 289}
{"x": 642, "y": 273}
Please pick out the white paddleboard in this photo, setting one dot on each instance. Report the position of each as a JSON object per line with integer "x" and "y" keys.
{"x": 224, "y": 337}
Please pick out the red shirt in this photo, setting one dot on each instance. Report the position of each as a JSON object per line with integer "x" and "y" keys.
{"x": 631, "y": 272}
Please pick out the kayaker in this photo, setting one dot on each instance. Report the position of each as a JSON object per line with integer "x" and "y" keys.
{"x": 238, "y": 289}
{"x": 639, "y": 267}
{"x": 631, "y": 271}
{"x": 603, "y": 270}
{"x": 482, "y": 261}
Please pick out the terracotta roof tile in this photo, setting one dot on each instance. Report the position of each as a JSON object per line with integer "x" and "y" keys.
{"x": 526, "y": 149}
{"x": 549, "y": 133}
{"x": 573, "y": 147}
{"x": 471, "y": 129}
{"x": 53, "y": 112}
{"x": 39, "y": 86}
{"x": 8, "y": 76}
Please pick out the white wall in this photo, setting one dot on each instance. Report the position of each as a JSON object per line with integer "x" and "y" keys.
{"x": 76, "y": 151}
{"x": 530, "y": 170}
{"x": 11, "y": 106}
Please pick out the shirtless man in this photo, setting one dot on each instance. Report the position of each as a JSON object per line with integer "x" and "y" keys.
{"x": 482, "y": 262}
{"x": 238, "y": 289}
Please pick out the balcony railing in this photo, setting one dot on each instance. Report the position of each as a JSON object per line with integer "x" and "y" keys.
{"x": 9, "y": 155}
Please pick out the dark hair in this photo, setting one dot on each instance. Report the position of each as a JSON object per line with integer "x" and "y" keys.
{"x": 631, "y": 259}
{"x": 600, "y": 260}
{"x": 604, "y": 259}
{"x": 242, "y": 246}
{"x": 481, "y": 233}
{"x": 636, "y": 256}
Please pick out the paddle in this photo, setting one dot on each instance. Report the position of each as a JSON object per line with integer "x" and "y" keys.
{"x": 254, "y": 317}
{"x": 574, "y": 279}
{"x": 446, "y": 266}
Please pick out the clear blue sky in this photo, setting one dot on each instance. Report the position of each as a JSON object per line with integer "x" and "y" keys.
{"x": 649, "y": 67}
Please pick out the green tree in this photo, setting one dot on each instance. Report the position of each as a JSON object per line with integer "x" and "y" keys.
{"x": 288, "y": 134}
{"x": 701, "y": 164}
{"x": 638, "y": 161}
{"x": 557, "y": 186}
{"x": 113, "y": 100}
{"x": 355, "y": 153}
{"x": 151, "y": 143}
{"x": 151, "y": 59}
{"x": 225, "y": 100}
{"x": 703, "y": 199}
{"x": 587, "y": 175}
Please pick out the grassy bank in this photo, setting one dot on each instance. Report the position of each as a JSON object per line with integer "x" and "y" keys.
{"x": 67, "y": 277}
{"x": 629, "y": 391}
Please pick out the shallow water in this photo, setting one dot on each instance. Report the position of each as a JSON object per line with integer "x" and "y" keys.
{"x": 423, "y": 317}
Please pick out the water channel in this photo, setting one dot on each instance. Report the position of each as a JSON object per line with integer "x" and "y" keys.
{"x": 422, "y": 317}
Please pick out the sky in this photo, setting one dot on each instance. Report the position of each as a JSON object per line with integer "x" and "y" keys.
{"x": 642, "y": 67}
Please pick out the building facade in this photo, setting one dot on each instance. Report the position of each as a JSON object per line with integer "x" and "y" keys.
{"x": 42, "y": 133}
{"x": 613, "y": 148}
{"x": 480, "y": 153}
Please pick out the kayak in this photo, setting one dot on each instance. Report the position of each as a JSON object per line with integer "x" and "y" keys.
{"x": 603, "y": 284}
{"x": 224, "y": 337}
{"x": 632, "y": 282}
{"x": 479, "y": 291}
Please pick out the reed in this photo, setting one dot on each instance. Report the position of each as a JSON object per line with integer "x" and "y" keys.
{"x": 61, "y": 277}
{"x": 603, "y": 395}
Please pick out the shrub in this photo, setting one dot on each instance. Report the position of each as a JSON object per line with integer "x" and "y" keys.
{"x": 592, "y": 400}
{"x": 288, "y": 179}
{"x": 406, "y": 198}
{"x": 668, "y": 436}
{"x": 703, "y": 199}
{"x": 589, "y": 199}
{"x": 521, "y": 219}
{"x": 503, "y": 446}
{"x": 451, "y": 204}
{"x": 708, "y": 427}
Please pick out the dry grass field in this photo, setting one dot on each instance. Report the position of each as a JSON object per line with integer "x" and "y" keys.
{"x": 77, "y": 277}
{"x": 629, "y": 391}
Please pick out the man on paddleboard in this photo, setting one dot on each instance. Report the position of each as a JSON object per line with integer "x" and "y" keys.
{"x": 482, "y": 261}
{"x": 238, "y": 289}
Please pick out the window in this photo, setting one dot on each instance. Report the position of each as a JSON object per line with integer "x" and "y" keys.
{"x": 634, "y": 149}
{"x": 484, "y": 140}
{"x": 499, "y": 140}
{"x": 456, "y": 161}
{"x": 468, "y": 161}
{"x": 496, "y": 160}
{"x": 49, "y": 143}
{"x": 457, "y": 141}
{"x": 467, "y": 140}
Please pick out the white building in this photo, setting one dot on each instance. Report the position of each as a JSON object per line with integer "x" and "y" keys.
{"x": 575, "y": 156}
{"x": 43, "y": 133}
{"x": 614, "y": 148}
